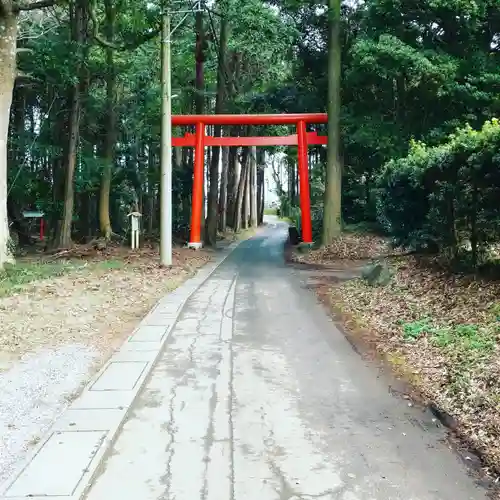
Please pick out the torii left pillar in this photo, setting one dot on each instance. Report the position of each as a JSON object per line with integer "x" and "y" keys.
{"x": 198, "y": 174}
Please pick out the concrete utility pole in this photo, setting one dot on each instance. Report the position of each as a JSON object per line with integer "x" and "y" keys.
{"x": 172, "y": 7}
{"x": 166, "y": 144}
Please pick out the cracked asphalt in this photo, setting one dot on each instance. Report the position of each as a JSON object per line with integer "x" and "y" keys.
{"x": 258, "y": 396}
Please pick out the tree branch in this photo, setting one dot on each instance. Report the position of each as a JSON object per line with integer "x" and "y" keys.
{"x": 38, "y": 4}
{"x": 104, "y": 42}
{"x": 4, "y": 8}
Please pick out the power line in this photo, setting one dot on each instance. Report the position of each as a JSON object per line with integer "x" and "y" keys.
{"x": 30, "y": 149}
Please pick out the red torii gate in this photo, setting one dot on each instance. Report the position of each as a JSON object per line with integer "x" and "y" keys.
{"x": 199, "y": 140}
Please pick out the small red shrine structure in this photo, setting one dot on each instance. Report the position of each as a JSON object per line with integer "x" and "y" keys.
{"x": 199, "y": 140}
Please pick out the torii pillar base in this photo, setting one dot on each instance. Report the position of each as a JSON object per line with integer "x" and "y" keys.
{"x": 195, "y": 245}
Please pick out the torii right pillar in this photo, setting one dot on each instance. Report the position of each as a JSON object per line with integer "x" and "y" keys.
{"x": 305, "y": 194}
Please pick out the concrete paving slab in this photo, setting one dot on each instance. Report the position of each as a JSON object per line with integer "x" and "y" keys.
{"x": 88, "y": 420}
{"x": 120, "y": 376}
{"x": 159, "y": 319}
{"x": 150, "y": 333}
{"x": 104, "y": 400}
{"x": 68, "y": 453}
{"x": 40, "y": 498}
{"x": 134, "y": 355}
{"x": 142, "y": 346}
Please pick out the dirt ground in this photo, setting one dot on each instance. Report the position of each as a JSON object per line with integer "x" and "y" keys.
{"x": 97, "y": 300}
{"x": 440, "y": 331}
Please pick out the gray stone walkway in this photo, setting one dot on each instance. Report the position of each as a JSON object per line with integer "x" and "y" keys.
{"x": 255, "y": 395}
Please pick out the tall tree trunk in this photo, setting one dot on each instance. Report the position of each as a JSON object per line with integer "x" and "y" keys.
{"x": 213, "y": 195}
{"x": 292, "y": 183}
{"x": 17, "y": 154}
{"x": 8, "y": 40}
{"x": 332, "y": 217}
{"x": 69, "y": 164}
{"x": 110, "y": 127}
{"x": 234, "y": 175}
{"x": 246, "y": 196}
{"x": 151, "y": 190}
{"x": 262, "y": 203}
{"x": 200, "y": 60}
{"x": 78, "y": 31}
{"x": 240, "y": 193}
{"x": 252, "y": 181}
{"x": 223, "y": 189}
{"x": 260, "y": 188}
{"x": 85, "y": 196}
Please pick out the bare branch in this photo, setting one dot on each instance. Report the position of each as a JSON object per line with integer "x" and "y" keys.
{"x": 21, "y": 75}
{"x": 22, "y": 36}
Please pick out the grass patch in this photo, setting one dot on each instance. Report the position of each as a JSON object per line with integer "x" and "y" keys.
{"x": 270, "y": 211}
{"x": 415, "y": 329}
{"x": 466, "y": 347}
{"x": 464, "y": 339}
{"x": 108, "y": 265}
{"x": 15, "y": 277}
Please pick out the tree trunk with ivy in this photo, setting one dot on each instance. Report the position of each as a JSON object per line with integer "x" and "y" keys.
{"x": 110, "y": 128}
{"x": 213, "y": 194}
{"x": 78, "y": 19}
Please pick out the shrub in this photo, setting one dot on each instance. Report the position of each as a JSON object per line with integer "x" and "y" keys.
{"x": 445, "y": 197}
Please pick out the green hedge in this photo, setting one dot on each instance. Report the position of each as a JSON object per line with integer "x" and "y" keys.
{"x": 445, "y": 197}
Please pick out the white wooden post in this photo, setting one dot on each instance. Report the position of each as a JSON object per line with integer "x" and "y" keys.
{"x": 134, "y": 233}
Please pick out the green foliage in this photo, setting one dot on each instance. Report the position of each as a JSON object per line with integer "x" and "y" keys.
{"x": 445, "y": 196}
{"x": 415, "y": 329}
{"x": 410, "y": 71}
{"x": 466, "y": 342}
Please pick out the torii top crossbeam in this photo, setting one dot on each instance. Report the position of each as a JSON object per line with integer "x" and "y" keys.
{"x": 271, "y": 119}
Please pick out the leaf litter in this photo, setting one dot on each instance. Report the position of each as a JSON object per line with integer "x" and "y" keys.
{"x": 98, "y": 302}
{"x": 440, "y": 330}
